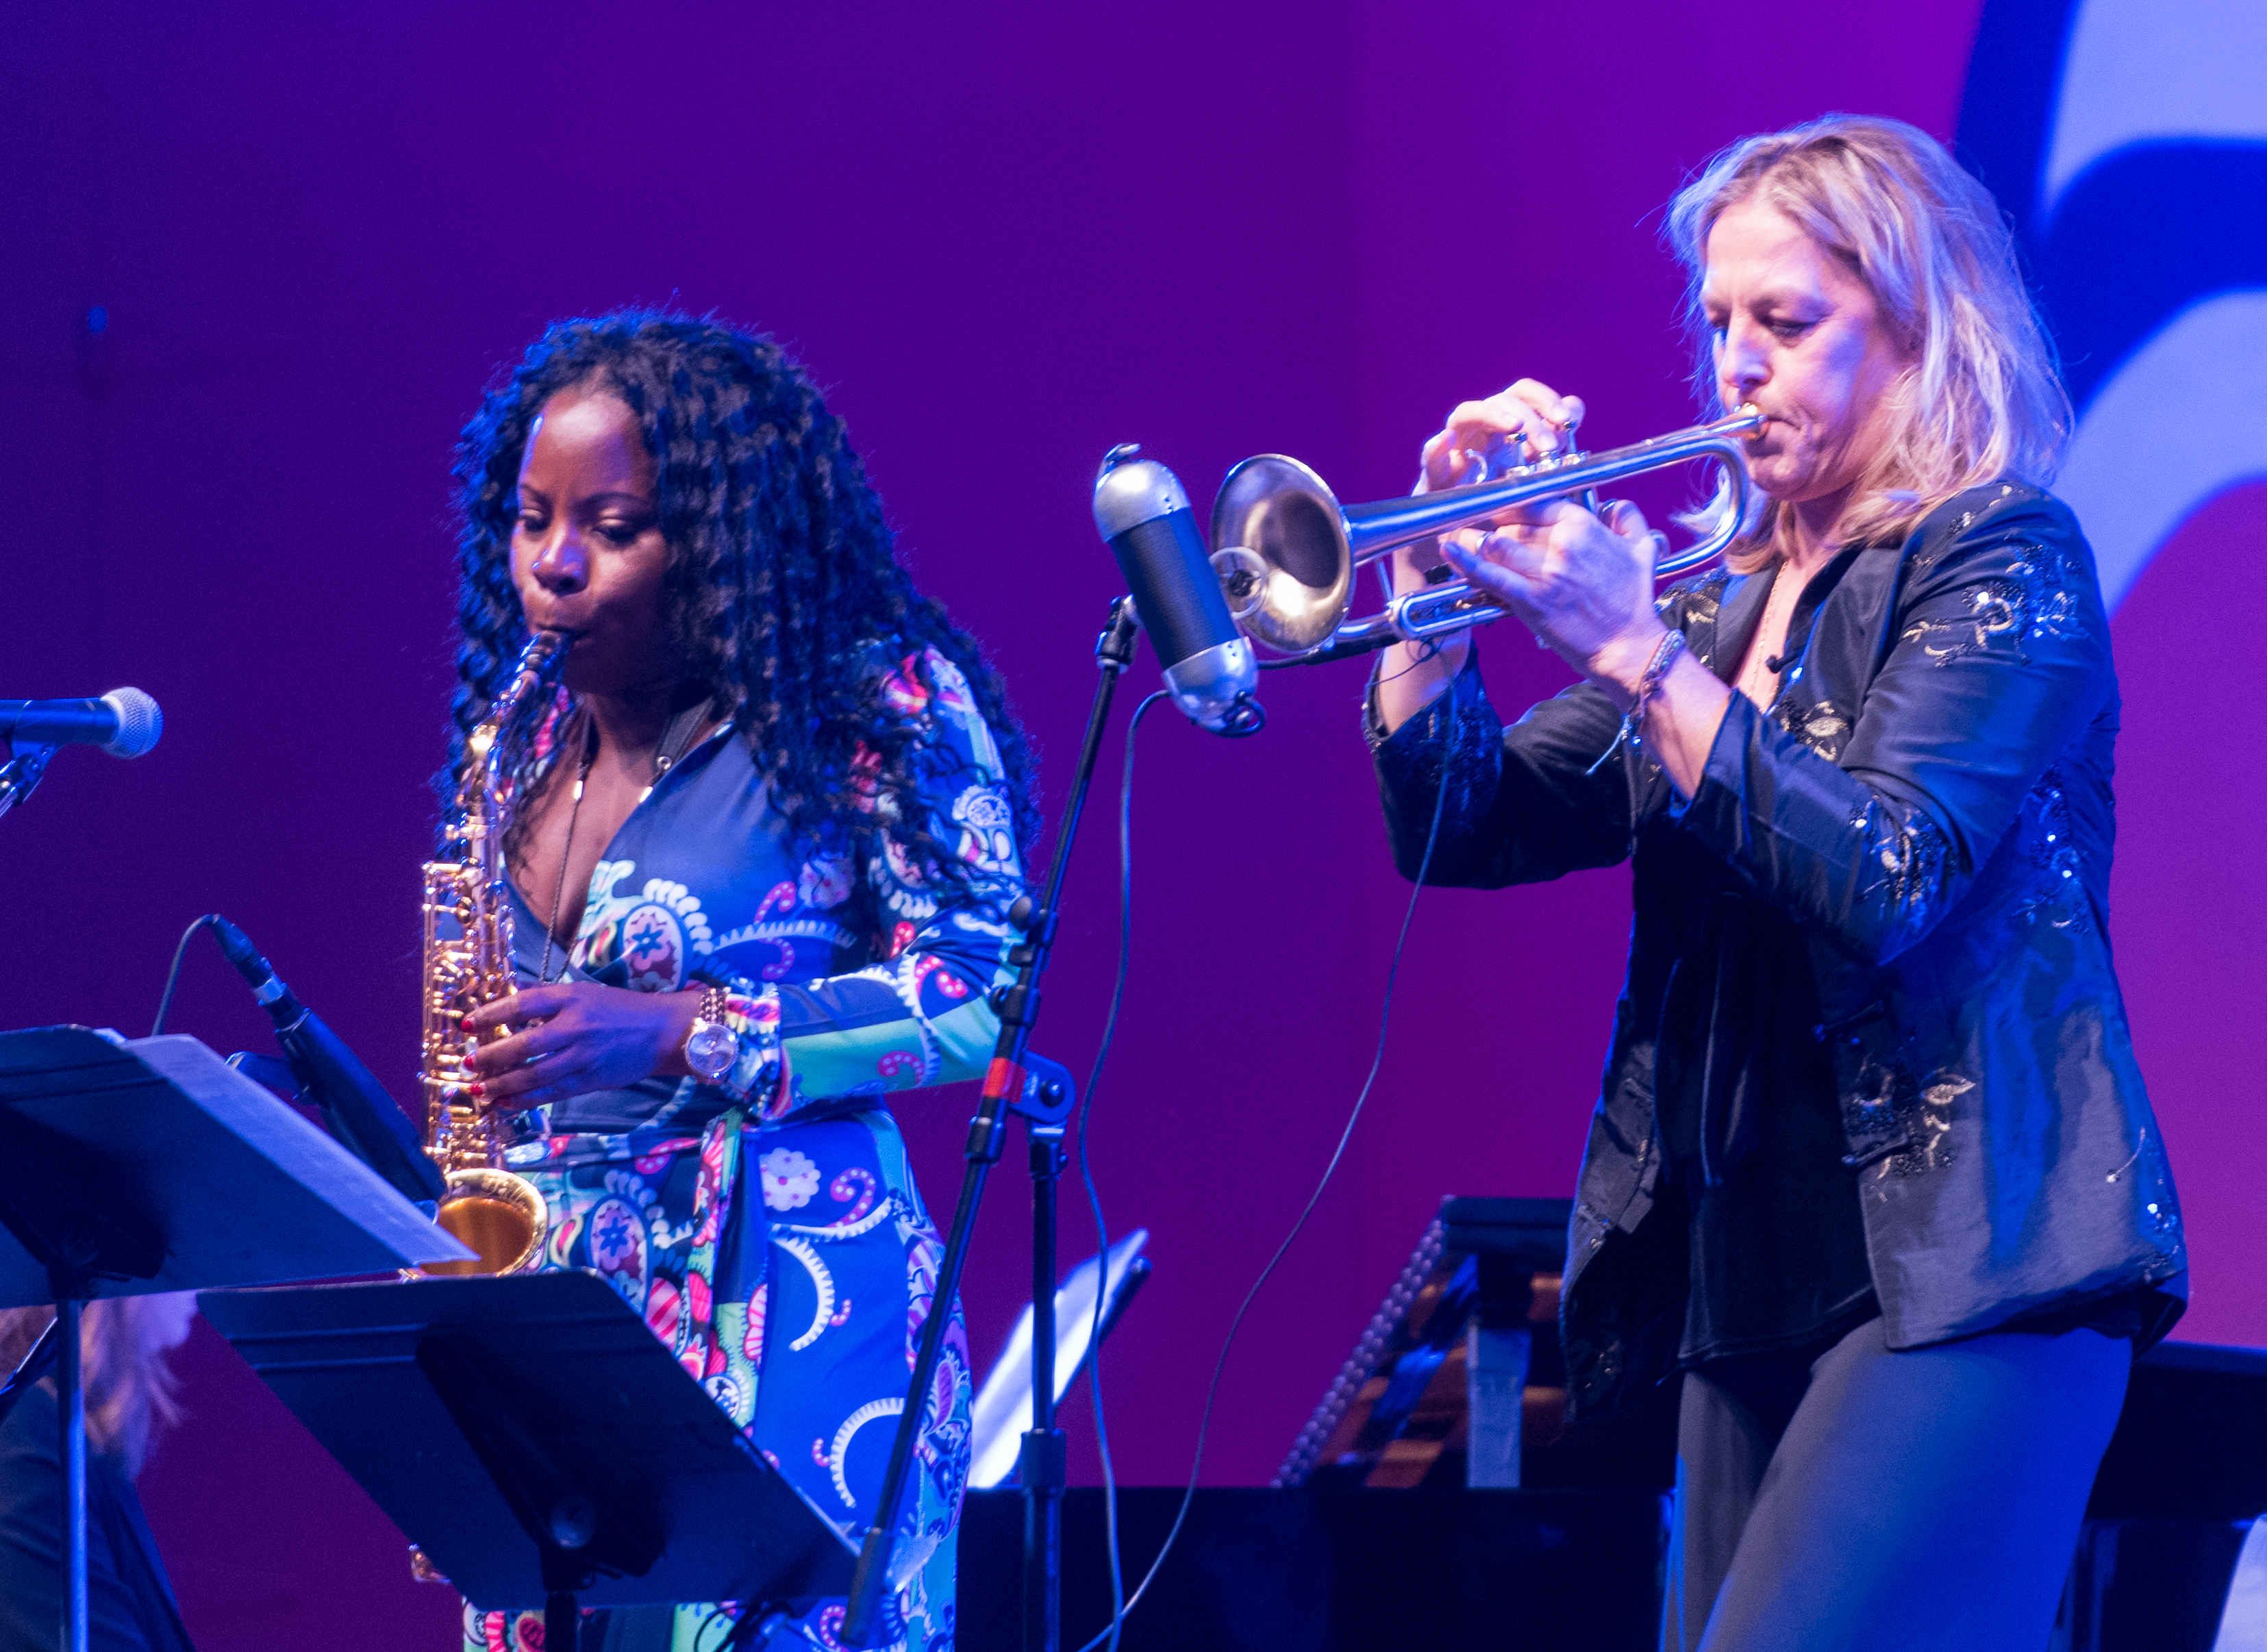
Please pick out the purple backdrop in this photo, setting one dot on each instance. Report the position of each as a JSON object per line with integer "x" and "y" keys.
{"x": 1007, "y": 237}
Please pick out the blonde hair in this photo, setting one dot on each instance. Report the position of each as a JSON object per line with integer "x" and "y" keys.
{"x": 130, "y": 1390}
{"x": 1981, "y": 400}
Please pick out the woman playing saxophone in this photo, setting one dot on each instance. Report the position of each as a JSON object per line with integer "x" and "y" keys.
{"x": 763, "y": 839}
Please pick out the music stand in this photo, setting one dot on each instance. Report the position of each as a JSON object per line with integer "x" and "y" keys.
{"x": 537, "y": 1442}
{"x": 133, "y": 1166}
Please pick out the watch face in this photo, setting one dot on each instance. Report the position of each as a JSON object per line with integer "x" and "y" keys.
{"x": 710, "y": 1050}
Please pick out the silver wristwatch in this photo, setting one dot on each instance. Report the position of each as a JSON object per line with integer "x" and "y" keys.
{"x": 712, "y": 1047}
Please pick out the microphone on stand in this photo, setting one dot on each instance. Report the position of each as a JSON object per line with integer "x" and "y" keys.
{"x": 125, "y": 722}
{"x": 1143, "y": 513}
{"x": 359, "y": 1111}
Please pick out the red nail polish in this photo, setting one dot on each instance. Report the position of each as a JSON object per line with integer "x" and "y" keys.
{"x": 480, "y": 1090}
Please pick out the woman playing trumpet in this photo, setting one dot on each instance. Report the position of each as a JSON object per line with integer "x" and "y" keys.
{"x": 1874, "y": 1167}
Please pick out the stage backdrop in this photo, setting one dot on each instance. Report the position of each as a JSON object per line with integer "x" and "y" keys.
{"x": 258, "y": 262}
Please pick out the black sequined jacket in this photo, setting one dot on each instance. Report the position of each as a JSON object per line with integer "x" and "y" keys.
{"x": 1929, "y": 797}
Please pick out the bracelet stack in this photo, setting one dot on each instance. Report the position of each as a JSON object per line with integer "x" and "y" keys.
{"x": 1647, "y": 690}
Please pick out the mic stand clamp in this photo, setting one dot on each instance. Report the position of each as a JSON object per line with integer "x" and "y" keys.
{"x": 1006, "y": 1082}
{"x": 21, "y": 772}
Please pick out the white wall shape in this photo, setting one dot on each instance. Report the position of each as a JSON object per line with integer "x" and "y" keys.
{"x": 2183, "y": 419}
{"x": 2141, "y": 71}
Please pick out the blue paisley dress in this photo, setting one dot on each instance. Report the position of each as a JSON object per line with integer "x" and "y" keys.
{"x": 768, "y": 1228}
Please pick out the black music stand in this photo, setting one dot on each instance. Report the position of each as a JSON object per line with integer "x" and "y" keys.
{"x": 129, "y": 1167}
{"x": 537, "y": 1442}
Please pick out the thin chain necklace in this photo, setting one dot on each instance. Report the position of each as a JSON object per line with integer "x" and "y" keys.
{"x": 1786, "y": 592}
{"x": 674, "y": 739}
{"x": 566, "y": 853}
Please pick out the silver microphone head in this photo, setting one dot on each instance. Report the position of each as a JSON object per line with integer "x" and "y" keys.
{"x": 140, "y": 723}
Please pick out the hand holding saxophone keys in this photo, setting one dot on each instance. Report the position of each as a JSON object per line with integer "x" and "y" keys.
{"x": 570, "y": 1038}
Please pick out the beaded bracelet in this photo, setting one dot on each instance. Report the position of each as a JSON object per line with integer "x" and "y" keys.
{"x": 1648, "y": 689}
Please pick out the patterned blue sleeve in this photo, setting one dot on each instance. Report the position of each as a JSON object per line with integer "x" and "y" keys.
{"x": 920, "y": 1016}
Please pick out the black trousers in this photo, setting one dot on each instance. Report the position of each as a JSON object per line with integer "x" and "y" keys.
{"x": 1922, "y": 1502}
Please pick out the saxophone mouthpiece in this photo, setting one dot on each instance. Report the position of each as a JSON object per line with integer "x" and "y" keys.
{"x": 539, "y": 664}
{"x": 546, "y": 652}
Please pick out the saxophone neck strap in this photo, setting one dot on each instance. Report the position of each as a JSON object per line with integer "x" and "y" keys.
{"x": 677, "y": 740}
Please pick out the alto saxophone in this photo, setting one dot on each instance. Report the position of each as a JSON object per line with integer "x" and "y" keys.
{"x": 501, "y": 1217}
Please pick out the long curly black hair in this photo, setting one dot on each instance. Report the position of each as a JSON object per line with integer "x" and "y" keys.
{"x": 782, "y": 584}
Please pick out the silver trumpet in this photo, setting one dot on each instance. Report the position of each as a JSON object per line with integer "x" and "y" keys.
{"x": 1285, "y": 549}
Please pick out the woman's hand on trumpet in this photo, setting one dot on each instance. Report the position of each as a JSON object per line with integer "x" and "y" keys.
{"x": 1528, "y": 422}
{"x": 1583, "y": 585}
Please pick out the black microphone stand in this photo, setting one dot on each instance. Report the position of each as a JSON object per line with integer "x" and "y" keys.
{"x": 1043, "y": 1469}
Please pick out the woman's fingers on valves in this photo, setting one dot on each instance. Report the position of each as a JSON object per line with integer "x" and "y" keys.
{"x": 1521, "y": 549}
{"x": 1491, "y": 562}
{"x": 1447, "y": 463}
{"x": 1530, "y": 417}
{"x": 1523, "y": 412}
{"x": 1623, "y": 518}
{"x": 1475, "y": 431}
{"x": 1548, "y": 418}
{"x": 1527, "y": 422}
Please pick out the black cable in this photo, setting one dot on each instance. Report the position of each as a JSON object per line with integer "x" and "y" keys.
{"x": 1086, "y": 1169}
{"x": 1425, "y": 656}
{"x": 1330, "y": 654}
{"x": 1219, "y": 1366}
{"x": 173, "y": 975}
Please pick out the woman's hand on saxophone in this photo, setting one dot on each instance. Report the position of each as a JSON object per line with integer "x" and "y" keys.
{"x": 577, "y": 1036}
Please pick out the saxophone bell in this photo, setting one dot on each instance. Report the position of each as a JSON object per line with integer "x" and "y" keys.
{"x": 468, "y": 963}
{"x": 501, "y": 1217}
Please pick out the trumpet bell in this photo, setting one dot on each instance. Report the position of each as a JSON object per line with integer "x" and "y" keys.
{"x": 1281, "y": 549}
{"x": 1285, "y": 549}
{"x": 499, "y": 1217}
